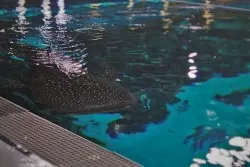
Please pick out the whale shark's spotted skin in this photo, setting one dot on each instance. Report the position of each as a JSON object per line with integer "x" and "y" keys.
{"x": 55, "y": 91}
{"x": 52, "y": 89}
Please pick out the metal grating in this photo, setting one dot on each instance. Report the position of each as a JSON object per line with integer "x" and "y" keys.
{"x": 53, "y": 143}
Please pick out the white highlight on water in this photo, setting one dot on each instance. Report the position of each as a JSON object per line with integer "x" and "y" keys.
{"x": 21, "y": 21}
{"x": 228, "y": 158}
{"x": 194, "y": 165}
{"x": 46, "y": 10}
{"x": 66, "y": 64}
{"x": 193, "y": 54}
{"x": 199, "y": 161}
{"x": 192, "y": 68}
{"x": 192, "y": 74}
{"x": 191, "y": 60}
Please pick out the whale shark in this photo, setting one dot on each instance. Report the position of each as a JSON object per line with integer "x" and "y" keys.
{"x": 53, "y": 89}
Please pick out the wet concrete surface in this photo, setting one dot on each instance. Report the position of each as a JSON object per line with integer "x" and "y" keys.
{"x": 10, "y": 157}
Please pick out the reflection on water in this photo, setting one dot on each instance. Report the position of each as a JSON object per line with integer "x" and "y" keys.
{"x": 46, "y": 10}
{"x": 193, "y": 69}
{"x": 59, "y": 42}
{"x": 96, "y": 13}
{"x": 207, "y": 14}
{"x": 95, "y": 5}
{"x": 98, "y": 27}
{"x": 46, "y": 28}
{"x": 62, "y": 18}
{"x": 21, "y": 22}
{"x": 166, "y": 19}
{"x": 130, "y": 4}
{"x": 187, "y": 64}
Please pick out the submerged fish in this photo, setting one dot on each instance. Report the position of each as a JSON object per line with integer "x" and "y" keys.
{"x": 55, "y": 91}
{"x": 81, "y": 94}
{"x": 60, "y": 84}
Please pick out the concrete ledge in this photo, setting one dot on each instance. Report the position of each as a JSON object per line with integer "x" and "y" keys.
{"x": 52, "y": 143}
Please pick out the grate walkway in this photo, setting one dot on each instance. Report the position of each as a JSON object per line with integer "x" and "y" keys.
{"x": 54, "y": 144}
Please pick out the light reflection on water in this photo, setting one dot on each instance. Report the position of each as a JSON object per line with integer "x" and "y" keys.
{"x": 21, "y": 21}
{"x": 59, "y": 42}
{"x": 166, "y": 20}
{"x": 208, "y": 14}
{"x": 131, "y": 4}
{"x": 192, "y": 67}
{"x": 46, "y": 28}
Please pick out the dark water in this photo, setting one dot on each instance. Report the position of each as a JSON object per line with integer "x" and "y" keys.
{"x": 188, "y": 66}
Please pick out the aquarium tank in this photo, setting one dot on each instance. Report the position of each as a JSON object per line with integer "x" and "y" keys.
{"x": 161, "y": 82}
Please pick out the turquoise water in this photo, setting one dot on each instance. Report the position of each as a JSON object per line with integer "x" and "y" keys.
{"x": 187, "y": 64}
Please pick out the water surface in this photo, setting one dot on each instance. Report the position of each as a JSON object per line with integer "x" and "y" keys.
{"x": 187, "y": 64}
